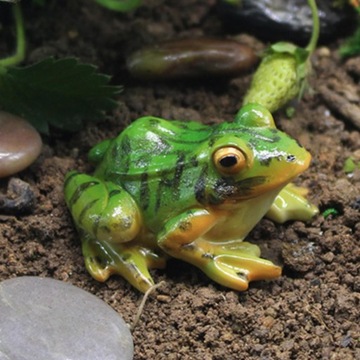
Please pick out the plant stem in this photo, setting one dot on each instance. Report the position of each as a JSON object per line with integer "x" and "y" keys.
{"x": 20, "y": 40}
{"x": 122, "y": 5}
{"x": 316, "y": 26}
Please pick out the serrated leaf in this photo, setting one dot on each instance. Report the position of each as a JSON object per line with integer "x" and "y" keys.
{"x": 62, "y": 93}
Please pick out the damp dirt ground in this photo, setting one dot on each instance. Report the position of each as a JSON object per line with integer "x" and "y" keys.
{"x": 313, "y": 310}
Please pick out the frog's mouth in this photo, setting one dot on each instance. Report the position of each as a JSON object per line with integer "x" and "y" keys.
{"x": 229, "y": 189}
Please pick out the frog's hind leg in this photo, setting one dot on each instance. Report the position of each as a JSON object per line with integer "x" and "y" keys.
{"x": 101, "y": 208}
{"x": 109, "y": 223}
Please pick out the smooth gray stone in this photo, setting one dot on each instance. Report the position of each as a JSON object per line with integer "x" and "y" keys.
{"x": 46, "y": 319}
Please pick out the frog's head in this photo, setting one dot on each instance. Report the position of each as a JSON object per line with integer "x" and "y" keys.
{"x": 250, "y": 157}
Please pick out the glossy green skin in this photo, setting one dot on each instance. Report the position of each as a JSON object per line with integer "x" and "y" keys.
{"x": 157, "y": 192}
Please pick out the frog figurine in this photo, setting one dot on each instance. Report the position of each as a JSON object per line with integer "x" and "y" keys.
{"x": 190, "y": 191}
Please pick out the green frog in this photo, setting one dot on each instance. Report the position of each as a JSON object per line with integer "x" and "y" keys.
{"x": 190, "y": 191}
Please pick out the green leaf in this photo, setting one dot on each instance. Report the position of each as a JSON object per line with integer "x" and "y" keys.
{"x": 233, "y": 2}
{"x": 62, "y": 93}
{"x": 351, "y": 46}
{"x": 350, "y": 165}
{"x": 301, "y": 55}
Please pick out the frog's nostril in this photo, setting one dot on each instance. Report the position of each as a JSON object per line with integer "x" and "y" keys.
{"x": 290, "y": 158}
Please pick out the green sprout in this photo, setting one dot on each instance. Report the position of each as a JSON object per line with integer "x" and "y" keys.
{"x": 234, "y": 2}
{"x": 120, "y": 5}
{"x": 290, "y": 112}
{"x": 350, "y": 165}
{"x": 20, "y": 38}
{"x": 330, "y": 212}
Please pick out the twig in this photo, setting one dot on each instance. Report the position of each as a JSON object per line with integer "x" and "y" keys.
{"x": 142, "y": 304}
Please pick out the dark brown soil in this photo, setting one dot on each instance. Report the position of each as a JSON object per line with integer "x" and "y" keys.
{"x": 312, "y": 311}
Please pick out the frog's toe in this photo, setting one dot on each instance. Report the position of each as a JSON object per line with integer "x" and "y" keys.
{"x": 236, "y": 271}
{"x": 95, "y": 262}
{"x": 96, "y": 269}
{"x": 247, "y": 248}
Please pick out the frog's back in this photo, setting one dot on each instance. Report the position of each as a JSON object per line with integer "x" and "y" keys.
{"x": 153, "y": 160}
{"x": 152, "y": 145}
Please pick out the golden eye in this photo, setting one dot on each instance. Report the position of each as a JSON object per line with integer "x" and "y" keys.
{"x": 229, "y": 160}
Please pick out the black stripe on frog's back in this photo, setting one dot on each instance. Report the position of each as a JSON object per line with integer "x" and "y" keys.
{"x": 84, "y": 211}
{"x": 121, "y": 151}
{"x": 79, "y": 191}
{"x": 184, "y": 135}
{"x": 163, "y": 186}
{"x": 144, "y": 190}
{"x": 179, "y": 170}
{"x": 69, "y": 177}
{"x": 172, "y": 183}
{"x": 114, "y": 192}
{"x": 200, "y": 185}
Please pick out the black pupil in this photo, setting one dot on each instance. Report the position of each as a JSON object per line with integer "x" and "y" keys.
{"x": 228, "y": 161}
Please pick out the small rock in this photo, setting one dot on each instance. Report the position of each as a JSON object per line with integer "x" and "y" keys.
{"x": 323, "y": 51}
{"x": 20, "y": 198}
{"x": 280, "y": 20}
{"x": 163, "y": 298}
{"x": 20, "y": 144}
{"x": 46, "y": 319}
{"x": 299, "y": 257}
{"x": 191, "y": 58}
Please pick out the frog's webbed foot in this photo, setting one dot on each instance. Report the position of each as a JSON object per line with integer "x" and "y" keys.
{"x": 291, "y": 204}
{"x": 132, "y": 262}
{"x": 232, "y": 265}
{"x": 235, "y": 268}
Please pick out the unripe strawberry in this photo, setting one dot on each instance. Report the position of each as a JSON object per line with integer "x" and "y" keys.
{"x": 279, "y": 77}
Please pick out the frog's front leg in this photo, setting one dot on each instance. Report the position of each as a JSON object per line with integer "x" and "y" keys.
{"x": 291, "y": 204}
{"x": 233, "y": 266}
{"x": 109, "y": 224}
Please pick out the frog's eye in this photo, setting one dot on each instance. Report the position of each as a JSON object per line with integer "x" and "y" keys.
{"x": 229, "y": 160}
